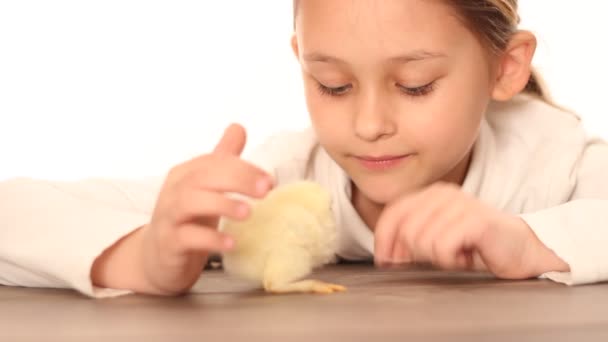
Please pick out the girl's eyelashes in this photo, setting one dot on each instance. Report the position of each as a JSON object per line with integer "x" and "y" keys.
{"x": 409, "y": 91}
{"x": 417, "y": 91}
{"x": 333, "y": 91}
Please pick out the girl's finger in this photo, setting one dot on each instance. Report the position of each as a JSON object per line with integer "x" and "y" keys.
{"x": 387, "y": 228}
{"x": 224, "y": 173}
{"x": 455, "y": 241}
{"x": 388, "y": 224}
{"x": 195, "y": 238}
{"x": 401, "y": 254}
{"x": 449, "y": 216}
{"x": 232, "y": 141}
{"x": 429, "y": 208}
{"x": 192, "y": 204}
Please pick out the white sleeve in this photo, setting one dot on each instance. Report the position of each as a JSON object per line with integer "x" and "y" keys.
{"x": 577, "y": 231}
{"x": 51, "y": 232}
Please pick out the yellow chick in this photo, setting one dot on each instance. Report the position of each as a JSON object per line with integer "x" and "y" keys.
{"x": 288, "y": 234}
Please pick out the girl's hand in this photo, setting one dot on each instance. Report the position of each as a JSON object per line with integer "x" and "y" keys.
{"x": 183, "y": 228}
{"x": 167, "y": 255}
{"x": 452, "y": 230}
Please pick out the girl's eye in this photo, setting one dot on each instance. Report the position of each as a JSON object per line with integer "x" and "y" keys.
{"x": 342, "y": 90}
{"x": 417, "y": 91}
{"x": 335, "y": 91}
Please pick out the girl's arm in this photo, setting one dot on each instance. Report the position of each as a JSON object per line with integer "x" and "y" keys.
{"x": 51, "y": 232}
{"x": 577, "y": 231}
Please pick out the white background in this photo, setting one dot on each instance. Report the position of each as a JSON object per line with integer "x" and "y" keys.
{"x": 130, "y": 88}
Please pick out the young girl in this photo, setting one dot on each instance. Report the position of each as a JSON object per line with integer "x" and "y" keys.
{"x": 429, "y": 128}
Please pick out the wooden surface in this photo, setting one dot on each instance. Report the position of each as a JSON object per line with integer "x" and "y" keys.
{"x": 383, "y": 305}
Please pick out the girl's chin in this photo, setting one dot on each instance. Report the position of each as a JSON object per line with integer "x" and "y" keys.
{"x": 382, "y": 191}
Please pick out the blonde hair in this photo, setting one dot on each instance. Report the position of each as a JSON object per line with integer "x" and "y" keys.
{"x": 494, "y": 22}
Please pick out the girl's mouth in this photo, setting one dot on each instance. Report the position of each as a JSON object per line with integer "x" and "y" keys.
{"x": 381, "y": 162}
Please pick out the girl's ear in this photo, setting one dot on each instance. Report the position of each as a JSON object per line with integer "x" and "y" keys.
{"x": 294, "y": 46}
{"x": 514, "y": 66}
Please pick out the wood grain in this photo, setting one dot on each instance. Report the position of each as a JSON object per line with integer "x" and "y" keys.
{"x": 380, "y": 304}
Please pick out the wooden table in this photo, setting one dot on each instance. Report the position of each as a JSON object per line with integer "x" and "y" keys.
{"x": 405, "y": 304}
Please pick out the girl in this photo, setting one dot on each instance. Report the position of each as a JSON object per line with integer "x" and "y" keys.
{"x": 434, "y": 136}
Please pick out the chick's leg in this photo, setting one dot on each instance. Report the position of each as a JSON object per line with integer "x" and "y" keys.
{"x": 285, "y": 266}
{"x": 307, "y": 286}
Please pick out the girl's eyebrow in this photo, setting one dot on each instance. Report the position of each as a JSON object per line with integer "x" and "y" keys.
{"x": 416, "y": 55}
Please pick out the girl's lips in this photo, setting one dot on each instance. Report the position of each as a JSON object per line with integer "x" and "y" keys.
{"x": 381, "y": 162}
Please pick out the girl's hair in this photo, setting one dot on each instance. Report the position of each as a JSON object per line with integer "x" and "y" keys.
{"x": 494, "y": 22}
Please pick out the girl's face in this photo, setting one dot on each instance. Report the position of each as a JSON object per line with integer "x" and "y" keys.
{"x": 390, "y": 79}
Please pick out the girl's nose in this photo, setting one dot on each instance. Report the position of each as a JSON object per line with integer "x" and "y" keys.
{"x": 372, "y": 119}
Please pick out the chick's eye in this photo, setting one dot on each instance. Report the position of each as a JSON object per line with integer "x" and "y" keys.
{"x": 333, "y": 91}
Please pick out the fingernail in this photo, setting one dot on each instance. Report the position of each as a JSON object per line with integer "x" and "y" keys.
{"x": 262, "y": 186}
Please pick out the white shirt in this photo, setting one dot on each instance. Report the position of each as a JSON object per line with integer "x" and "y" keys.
{"x": 530, "y": 159}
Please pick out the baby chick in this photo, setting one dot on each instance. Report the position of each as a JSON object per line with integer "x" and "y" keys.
{"x": 288, "y": 234}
